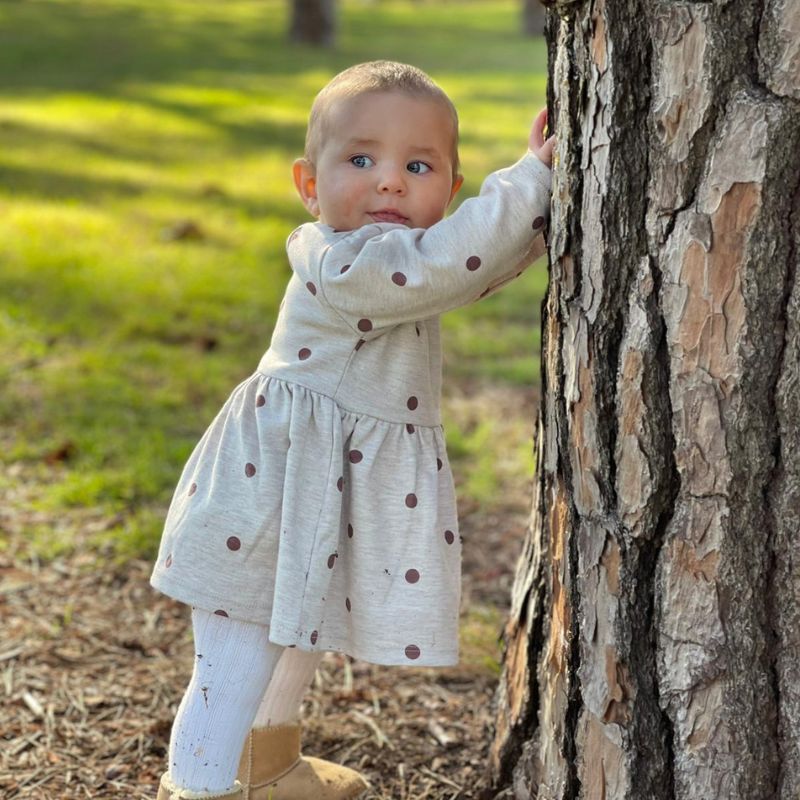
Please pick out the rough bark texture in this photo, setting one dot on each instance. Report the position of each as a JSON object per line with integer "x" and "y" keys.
{"x": 313, "y": 22}
{"x": 653, "y": 646}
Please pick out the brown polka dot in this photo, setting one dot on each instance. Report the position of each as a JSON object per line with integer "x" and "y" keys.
{"x": 411, "y": 500}
{"x": 332, "y": 560}
{"x": 311, "y": 288}
{"x": 249, "y": 469}
{"x": 303, "y": 353}
{"x": 473, "y": 262}
{"x": 260, "y": 401}
{"x": 399, "y": 278}
{"x": 220, "y": 613}
{"x": 439, "y": 464}
{"x": 412, "y": 403}
{"x": 340, "y": 484}
{"x": 409, "y": 427}
{"x": 364, "y": 325}
{"x": 192, "y": 489}
{"x": 538, "y": 223}
{"x": 233, "y": 543}
{"x": 412, "y": 652}
{"x": 412, "y": 575}
{"x": 360, "y": 343}
{"x": 347, "y": 604}
{"x": 349, "y": 531}
{"x": 449, "y": 537}
{"x": 344, "y": 269}
{"x": 355, "y": 456}
{"x": 168, "y": 562}
{"x": 314, "y": 636}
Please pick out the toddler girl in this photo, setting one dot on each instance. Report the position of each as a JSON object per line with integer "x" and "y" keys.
{"x": 318, "y": 513}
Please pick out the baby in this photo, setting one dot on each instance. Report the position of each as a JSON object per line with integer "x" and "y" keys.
{"x": 318, "y": 512}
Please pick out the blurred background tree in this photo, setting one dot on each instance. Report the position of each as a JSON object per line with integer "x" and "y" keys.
{"x": 532, "y": 17}
{"x": 313, "y": 22}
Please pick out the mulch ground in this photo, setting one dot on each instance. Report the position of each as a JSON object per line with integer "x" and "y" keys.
{"x": 94, "y": 663}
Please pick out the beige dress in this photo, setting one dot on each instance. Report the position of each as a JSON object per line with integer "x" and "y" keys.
{"x": 320, "y": 500}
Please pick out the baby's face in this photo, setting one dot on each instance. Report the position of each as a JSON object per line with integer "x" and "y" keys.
{"x": 387, "y": 157}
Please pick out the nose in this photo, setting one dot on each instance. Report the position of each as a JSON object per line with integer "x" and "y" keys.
{"x": 392, "y": 180}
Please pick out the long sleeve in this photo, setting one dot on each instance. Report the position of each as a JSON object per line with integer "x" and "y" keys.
{"x": 383, "y": 275}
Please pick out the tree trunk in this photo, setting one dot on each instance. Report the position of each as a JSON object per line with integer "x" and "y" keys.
{"x": 653, "y": 646}
{"x": 313, "y": 22}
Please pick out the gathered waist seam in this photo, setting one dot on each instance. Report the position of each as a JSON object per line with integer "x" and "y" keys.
{"x": 340, "y": 406}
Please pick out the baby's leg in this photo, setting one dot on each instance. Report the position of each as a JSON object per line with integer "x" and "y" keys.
{"x": 284, "y": 695}
{"x": 233, "y": 664}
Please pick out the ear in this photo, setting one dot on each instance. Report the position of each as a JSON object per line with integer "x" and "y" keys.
{"x": 305, "y": 181}
{"x": 459, "y": 180}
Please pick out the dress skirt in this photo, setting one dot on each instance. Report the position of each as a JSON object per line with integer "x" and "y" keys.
{"x": 336, "y": 529}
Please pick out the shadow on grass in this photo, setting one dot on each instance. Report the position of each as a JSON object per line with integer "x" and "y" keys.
{"x": 104, "y": 47}
{"x": 119, "y": 50}
{"x": 57, "y": 186}
{"x": 265, "y": 133}
{"x": 74, "y": 182}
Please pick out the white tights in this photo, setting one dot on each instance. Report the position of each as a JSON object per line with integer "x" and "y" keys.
{"x": 284, "y": 696}
{"x": 240, "y": 678}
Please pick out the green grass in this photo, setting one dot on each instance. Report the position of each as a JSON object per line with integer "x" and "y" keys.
{"x": 480, "y": 632}
{"x": 119, "y": 119}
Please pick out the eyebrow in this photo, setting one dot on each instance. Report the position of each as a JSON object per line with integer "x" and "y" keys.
{"x": 425, "y": 151}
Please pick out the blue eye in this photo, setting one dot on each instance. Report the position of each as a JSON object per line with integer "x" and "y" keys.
{"x": 362, "y": 161}
{"x": 418, "y": 167}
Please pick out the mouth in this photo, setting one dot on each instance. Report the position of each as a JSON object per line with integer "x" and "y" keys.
{"x": 388, "y": 215}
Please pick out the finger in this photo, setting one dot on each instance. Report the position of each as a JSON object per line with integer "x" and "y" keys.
{"x": 546, "y": 150}
{"x": 537, "y": 132}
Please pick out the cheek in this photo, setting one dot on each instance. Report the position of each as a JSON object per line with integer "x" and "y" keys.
{"x": 344, "y": 190}
{"x": 444, "y": 196}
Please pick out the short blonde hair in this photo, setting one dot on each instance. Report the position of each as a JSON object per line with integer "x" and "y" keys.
{"x": 374, "y": 76}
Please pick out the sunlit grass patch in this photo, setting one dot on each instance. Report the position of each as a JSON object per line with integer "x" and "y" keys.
{"x": 490, "y": 445}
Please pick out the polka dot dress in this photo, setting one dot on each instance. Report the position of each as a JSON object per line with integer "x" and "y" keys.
{"x": 320, "y": 500}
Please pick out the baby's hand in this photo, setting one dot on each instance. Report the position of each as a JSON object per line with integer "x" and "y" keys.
{"x": 541, "y": 148}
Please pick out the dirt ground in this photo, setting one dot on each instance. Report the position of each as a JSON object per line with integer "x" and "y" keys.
{"x": 94, "y": 663}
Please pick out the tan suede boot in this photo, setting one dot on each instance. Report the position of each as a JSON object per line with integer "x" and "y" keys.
{"x": 167, "y": 790}
{"x": 272, "y": 768}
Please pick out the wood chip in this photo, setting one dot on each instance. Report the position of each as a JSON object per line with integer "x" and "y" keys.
{"x": 380, "y": 736}
{"x": 439, "y": 733}
{"x": 441, "y": 778}
{"x": 32, "y": 703}
{"x": 9, "y": 654}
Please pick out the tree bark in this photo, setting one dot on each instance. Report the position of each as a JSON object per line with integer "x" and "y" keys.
{"x": 313, "y": 22}
{"x": 653, "y": 646}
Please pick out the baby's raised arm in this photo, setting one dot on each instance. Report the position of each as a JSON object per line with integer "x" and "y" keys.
{"x": 379, "y": 275}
